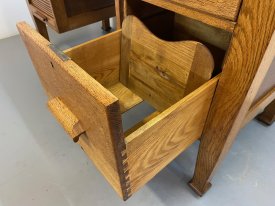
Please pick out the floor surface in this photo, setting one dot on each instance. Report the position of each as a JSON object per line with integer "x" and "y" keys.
{"x": 41, "y": 166}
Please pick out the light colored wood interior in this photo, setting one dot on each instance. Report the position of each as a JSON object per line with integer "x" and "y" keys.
{"x": 100, "y": 58}
{"x": 184, "y": 115}
{"x": 205, "y": 17}
{"x": 86, "y": 93}
{"x": 154, "y": 144}
{"x": 158, "y": 71}
{"x": 127, "y": 99}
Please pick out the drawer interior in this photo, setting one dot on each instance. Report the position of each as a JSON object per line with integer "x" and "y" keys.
{"x": 89, "y": 93}
{"x": 178, "y": 27}
{"x": 101, "y": 58}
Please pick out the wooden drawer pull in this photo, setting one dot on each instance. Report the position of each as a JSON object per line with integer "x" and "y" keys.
{"x": 66, "y": 118}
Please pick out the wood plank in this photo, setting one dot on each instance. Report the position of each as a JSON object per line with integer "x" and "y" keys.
{"x": 248, "y": 60}
{"x": 155, "y": 144}
{"x": 127, "y": 99}
{"x": 99, "y": 57}
{"x": 194, "y": 14}
{"x": 159, "y": 71}
{"x": 222, "y": 8}
{"x": 188, "y": 28}
{"x": 96, "y": 108}
{"x": 259, "y": 106}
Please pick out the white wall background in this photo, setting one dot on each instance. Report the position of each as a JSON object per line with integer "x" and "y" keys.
{"x": 12, "y": 11}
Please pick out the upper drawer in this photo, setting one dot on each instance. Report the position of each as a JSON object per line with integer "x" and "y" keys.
{"x": 43, "y": 5}
{"x": 222, "y": 8}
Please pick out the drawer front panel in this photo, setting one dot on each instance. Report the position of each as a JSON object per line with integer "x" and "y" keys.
{"x": 78, "y": 7}
{"x": 44, "y": 5}
{"x": 223, "y": 8}
{"x": 85, "y": 101}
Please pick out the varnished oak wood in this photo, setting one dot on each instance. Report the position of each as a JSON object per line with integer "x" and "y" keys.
{"x": 87, "y": 98}
{"x": 190, "y": 12}
{"x": 96, "y": 108}
{"x": 222, "y": 8}
{"x": 155, "y": 144}
{"x": 66, "y": 118}
{"x": 158, "y": 71}
{"x": 127, "y": 99}
{"x": 100, "y": 58}
{"x": 243, "y": 72}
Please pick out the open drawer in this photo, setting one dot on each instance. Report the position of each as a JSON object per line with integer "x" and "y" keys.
{"x": 91, "y": 85}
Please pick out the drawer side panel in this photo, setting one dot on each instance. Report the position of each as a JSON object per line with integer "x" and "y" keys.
{"x": 154, "y": 145}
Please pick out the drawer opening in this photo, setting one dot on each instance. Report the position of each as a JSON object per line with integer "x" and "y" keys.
{"x": 178, "y": 27}
{"x": 135, "y": 77}
{"x": 114, "y": 75}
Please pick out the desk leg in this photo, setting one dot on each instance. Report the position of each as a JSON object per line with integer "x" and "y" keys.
{"x": 106, "y": 25}
{"x": 268, "y": 116}
{"x": 249, "y": 58}
{"x": 41, "y": 27}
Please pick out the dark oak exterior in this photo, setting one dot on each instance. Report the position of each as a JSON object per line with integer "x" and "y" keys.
{"x": 65, "y": 15}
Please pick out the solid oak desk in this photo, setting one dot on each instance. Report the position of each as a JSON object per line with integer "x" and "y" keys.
{"x": 249, "y": 50}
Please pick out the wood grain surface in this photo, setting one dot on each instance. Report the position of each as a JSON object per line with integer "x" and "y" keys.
{"x": 247, "y": 62}
{"x": 155, "y": 144}
{"x": 127, "y": 99}
{"x": 206, "y": 18}
{"x": 222, "y": 8}
{"x": 96, "y": 108}
{"x": 100, "y": 58}
{"x": 159, "y": 71}
{"x": 66, "y": 118}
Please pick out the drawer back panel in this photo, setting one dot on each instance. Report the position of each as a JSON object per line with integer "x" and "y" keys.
{"x": 43, "y": 5}
{"x": 159, "y": 71}
{"x": 95, "y": 107}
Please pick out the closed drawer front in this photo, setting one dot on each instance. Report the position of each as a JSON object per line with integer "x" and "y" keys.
{"x": 43, "y": 5}
{"x": 42, "y": 9}
{"x": 223, "y": 8}
{"x": 89, "y": 92}
{"x": 81, "y": 6}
